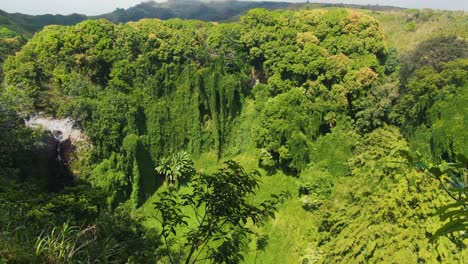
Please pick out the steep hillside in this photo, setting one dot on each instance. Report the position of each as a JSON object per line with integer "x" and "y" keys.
{"x": 404, "y": 30}
{"x": 27, "y": 24}
{"x": 317, "y": 135}
{"x": 314, "y": 100}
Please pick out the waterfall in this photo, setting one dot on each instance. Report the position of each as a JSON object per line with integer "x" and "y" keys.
{"x": 56, "y": 149}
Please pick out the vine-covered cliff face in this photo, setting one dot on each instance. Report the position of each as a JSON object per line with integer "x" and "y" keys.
{"x": 182, "y": 84}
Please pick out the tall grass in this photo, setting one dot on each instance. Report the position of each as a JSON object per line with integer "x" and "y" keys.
{"x": 66, "y": 243}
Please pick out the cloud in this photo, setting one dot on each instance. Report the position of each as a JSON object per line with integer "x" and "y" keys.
{"x": 64, "y": 7}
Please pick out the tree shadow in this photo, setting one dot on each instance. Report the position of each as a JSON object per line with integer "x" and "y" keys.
{"x": 150, "y": 181}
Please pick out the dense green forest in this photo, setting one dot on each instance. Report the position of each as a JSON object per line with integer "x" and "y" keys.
{"x": 319, "y": 135}
{"x": 209, "y": 10}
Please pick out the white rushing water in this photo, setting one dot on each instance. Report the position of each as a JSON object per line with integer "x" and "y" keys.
{"x": 62, "y": 129}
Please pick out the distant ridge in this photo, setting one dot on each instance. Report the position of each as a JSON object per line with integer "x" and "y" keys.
{"x": 28, "y": 24}
{"x": 193, "y": 9}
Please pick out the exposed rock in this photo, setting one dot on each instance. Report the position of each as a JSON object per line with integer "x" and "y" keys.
{"x": 62, "y": 129}
{"x": 54, "y": 151}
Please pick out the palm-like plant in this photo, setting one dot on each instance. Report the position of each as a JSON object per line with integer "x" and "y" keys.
{"x": 176, "y": 168}
{"x": 165, "y": 169}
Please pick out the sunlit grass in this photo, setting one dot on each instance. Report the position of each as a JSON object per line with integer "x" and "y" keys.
{"x": 290, "y": 234}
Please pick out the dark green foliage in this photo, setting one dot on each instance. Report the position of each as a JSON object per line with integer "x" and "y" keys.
{"x": 109, "y": 177}
{"x": 16, "y": 143}
{"x": 139, "y": 169}
{"x": 10, "y": 42}
{"x": 373, "y": 111}
{"x": 331, "y": 152}
{"x": 221, "y": 206}
{"x": 261, "y": 244}
{"x": 392, "y": 63}
{"x": 28, "y": 25}
{"x": 446, "y": 130}
{"x": 316, "y": 50}
{"x": 287, "y": 126}
{"x": 181, "y": 85}
{"x": 433, "y": 53}
{"x": 223, "y": 93}
{"x": 456, "y": 215}
{"x": 314, "y": 92}
{"x": 321, "y": 68}
{"x": 67, "y": 227}
{"x": 432, "y": 108}
{"x": 96, "y": 71}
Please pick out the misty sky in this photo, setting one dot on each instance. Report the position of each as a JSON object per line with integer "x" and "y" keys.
{"x": 95, "y": 7}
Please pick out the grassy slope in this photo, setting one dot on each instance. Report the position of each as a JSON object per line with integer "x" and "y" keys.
{"x": 290, "y": 234}
{"x": 437, "y": 23}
